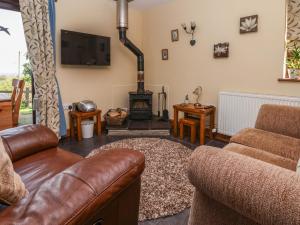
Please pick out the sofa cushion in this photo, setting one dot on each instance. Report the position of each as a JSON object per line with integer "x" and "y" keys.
{"x": 12, "y": 189}
{"x": 262, "y": 155}
{"x": 278, "y": 144}
{"x": 38, "y": 168}
{"x": 27, "y": 140}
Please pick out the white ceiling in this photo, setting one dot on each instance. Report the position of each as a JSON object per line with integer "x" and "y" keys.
{"x": 146, "y": 4}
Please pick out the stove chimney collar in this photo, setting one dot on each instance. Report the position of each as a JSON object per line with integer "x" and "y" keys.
{"x": 122, "y": 13}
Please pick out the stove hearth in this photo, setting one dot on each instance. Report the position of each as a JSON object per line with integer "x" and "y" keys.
{"x": 140, "y": 105}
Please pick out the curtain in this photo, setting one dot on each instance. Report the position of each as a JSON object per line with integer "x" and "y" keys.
{"x": 36, "y": 22}
{"x": 293, "y": 23}
{"x": 52, "y": 16}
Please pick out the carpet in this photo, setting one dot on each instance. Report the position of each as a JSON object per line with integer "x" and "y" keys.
{"x": 165, "y": 186}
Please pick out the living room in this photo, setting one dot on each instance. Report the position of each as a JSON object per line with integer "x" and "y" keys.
{"x": 218, "y": 143}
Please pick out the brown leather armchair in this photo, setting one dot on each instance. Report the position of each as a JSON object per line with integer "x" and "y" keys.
{"x": 65, "y": 188}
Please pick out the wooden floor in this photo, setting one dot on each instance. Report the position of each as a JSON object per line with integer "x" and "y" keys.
{"x": 85, "y": 146}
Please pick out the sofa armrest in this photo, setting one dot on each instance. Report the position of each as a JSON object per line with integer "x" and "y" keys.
{"x": 257, "y": 190}
{"x": 27, "y": 140}
{"x": 76, "y": 195}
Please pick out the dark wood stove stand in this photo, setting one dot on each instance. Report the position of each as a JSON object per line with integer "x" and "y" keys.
{"x": 140, "y": 105}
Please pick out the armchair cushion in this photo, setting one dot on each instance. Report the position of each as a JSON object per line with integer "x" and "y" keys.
{"x": 12, "y": 189}
{"x": 279, "y": 119}
{"x": 278, "y": 144}
{"x": 262, "y": 155}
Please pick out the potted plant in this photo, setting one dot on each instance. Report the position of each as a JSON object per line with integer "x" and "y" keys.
{"x": 293, "y": 62}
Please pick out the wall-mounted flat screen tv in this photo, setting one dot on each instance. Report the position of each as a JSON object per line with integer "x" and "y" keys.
{"x": 84, "y": 49}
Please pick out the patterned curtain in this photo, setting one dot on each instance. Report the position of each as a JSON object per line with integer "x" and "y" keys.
{"x": 36, "y": 22}
{"x": 293, "y": 22}
{"x": 52, "y": 15}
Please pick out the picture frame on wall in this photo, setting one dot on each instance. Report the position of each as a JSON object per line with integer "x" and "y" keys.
{"x": 164, "y": 54}
{"x": 249, "y": 24}
{"x": 174, "y": 35}
{"x": 221, "y": 50}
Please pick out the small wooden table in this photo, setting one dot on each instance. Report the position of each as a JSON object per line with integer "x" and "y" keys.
{"x": 202, "y": 112}
{"x": 5, "y": 113}
{"x": 79, "y": 116}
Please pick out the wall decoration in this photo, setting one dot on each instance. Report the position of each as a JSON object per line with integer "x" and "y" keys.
{"x": 221, "y": 50}
{"x": 249, "y": 24}
{"x": 175, "y": 35}
{"x": 190, "y": 31}
{"x": 165, "y": 54}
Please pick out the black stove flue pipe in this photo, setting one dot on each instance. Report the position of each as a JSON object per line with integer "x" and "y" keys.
{"x": 140, "y": 58}
{"x": 122, "y": 25}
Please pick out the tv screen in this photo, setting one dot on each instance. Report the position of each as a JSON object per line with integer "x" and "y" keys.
{"x": 84, "y": 49}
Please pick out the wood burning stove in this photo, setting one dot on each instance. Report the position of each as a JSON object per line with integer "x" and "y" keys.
{"x": 141, "y": 100}
{"x": 140, "y": 104}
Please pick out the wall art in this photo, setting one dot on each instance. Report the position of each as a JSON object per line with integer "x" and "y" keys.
{"x": 249, "y": 24}
{"x": 175, "y": 35}
{"x": 164, "y": 54}
{"x": 221, "y": 50}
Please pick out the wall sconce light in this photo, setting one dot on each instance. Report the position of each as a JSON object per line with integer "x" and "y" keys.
{"x": 190, "y": 31}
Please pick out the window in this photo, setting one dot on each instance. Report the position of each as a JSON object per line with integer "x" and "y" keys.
{"x": 293, "y": 41}
{"x": 13, "y": 60}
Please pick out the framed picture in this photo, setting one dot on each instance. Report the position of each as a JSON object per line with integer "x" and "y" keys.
{"x": 221, "y": 50}
{"x": 175, "y": 35}
{"x": 249, "y": 24}
{"x": 165, "y": 54}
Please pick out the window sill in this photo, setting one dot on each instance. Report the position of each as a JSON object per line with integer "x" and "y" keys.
{"x": 288, "y": 80}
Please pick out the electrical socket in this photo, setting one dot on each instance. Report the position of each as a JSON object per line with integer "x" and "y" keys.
{"x": 67, "y": 106}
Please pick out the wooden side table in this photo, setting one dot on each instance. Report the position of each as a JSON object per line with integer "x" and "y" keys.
{"x": 202, "y": 113}
{"x": 79, "y": 116}
{"x": 193, "y": 124}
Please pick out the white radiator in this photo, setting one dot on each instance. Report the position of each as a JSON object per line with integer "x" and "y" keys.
{"x": 239, "y": 110}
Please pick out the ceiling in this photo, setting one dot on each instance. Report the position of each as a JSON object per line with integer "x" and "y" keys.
{"x": 145, "y": 4}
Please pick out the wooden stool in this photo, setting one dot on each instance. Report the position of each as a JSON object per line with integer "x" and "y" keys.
{"x": 79, "y": 116}
{"x": 193, "y": 124}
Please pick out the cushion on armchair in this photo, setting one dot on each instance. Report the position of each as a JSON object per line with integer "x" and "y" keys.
{"x": 285, "y": 146}
{"x": 12, "y": 189}
{"x": 280, "y": 119}
{"x": 262, "y": 155}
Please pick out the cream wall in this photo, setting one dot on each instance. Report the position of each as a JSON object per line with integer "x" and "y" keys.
{"x": 107, "y": 86}
{"x": 254, "y": 65}
{"x": 255, "y": 62}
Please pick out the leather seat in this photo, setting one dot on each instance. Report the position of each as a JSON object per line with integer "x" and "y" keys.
{"x": 35, "y": 170}
{"x": 65, "y": 188}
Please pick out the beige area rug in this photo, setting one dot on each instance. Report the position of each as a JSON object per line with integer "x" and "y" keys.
{"x": 165, "y": 187}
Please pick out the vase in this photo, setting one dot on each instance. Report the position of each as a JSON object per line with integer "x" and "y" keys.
{"x": 294, "y": 73}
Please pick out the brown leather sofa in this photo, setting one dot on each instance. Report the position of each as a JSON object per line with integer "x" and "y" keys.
{"x": 65, "y": 188}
